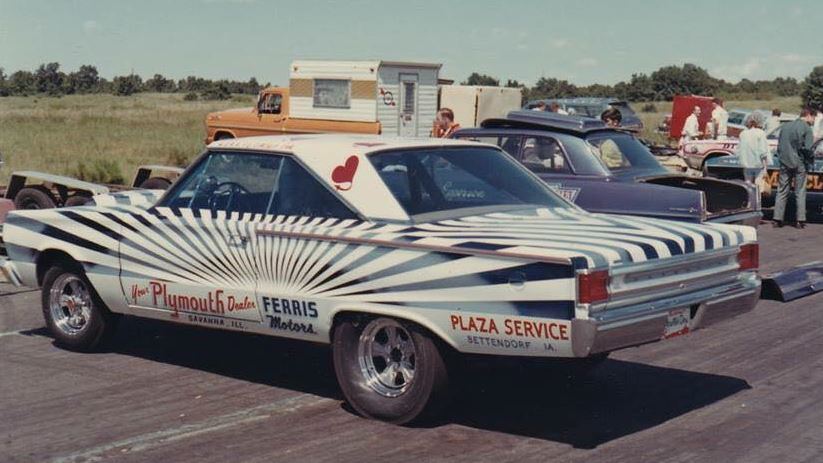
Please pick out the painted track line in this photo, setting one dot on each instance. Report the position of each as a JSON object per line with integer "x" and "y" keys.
{"x": 166, "y": 436}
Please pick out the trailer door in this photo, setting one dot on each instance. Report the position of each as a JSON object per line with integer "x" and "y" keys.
{"x": 408, "y": 105}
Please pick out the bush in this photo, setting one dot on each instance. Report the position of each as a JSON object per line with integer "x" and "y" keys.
{"x": 191, "y": 96}
{"x": 127, "y": 85}
{"x": 216, "y": 91}
{"x": 99, "y": 171}
{"x": 649, "y": 108}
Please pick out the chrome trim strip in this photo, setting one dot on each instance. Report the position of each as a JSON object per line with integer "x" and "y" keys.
{"x": 676, "y": 260}
{"x": 415, "y": 246}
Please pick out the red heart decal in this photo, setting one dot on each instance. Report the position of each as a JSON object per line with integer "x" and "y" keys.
{"x": 345, "y": 174}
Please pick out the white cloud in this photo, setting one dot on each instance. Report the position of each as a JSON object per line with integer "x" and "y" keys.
{"x": 90, "y": 26}
{"x": 559, "y": 43}
{"x": 733, "y": 72}
{"x": 586, "y": 62}
{"x": 796, "y": 58}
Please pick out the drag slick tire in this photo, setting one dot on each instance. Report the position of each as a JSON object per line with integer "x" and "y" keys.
{"x": 74, "y": 313}
{"x": 389, "y": 369}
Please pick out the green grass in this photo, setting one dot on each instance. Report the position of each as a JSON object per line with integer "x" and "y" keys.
{"x": 102, "y": 137}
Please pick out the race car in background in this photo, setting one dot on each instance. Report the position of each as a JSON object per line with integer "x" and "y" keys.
{"x": 610, "y": 171}
{"x": 396, "y": 252}
{"x": 728, "y": 167}
{"x": 696, "y": 152}
{"x": 737, "y": 119}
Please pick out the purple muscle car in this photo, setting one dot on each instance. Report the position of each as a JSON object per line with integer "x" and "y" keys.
{"x": 608, "y": 170}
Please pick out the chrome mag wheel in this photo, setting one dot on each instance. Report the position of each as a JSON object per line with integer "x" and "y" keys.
{"x": 70, "y": 304}
{"x": 387, "y": 357}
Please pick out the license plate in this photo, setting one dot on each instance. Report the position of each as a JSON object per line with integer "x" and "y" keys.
{"x": 677, "y": 323}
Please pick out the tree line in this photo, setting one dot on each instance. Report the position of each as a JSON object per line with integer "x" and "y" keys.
{"x": 49, "y": 79}
{"x": 666, "y": 82}
{"x": 661, "y": 85}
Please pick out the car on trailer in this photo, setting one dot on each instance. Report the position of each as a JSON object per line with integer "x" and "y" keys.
{"x": 396, "y": 252}
{"x": 39, "y": 190}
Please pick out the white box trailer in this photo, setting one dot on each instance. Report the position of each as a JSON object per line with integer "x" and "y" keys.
{"x": 472, "y": 104}
{"x": 401, "y": 96}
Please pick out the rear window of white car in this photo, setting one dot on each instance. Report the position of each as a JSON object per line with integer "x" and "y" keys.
{"x": 453, "y": 182}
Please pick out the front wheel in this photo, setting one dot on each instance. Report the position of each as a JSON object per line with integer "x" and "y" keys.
{"x": 389, "y": 369}
{"x": 74, "y": 313}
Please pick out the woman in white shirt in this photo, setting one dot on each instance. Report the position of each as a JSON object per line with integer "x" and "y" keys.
{"x": 753, "y": 149}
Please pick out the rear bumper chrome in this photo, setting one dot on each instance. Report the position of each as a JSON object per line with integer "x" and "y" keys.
{"x": 614, "y": 329}
{"x": 8, "y": 274}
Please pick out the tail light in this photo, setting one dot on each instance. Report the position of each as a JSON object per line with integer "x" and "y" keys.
{"x": 593, "y": 287}
{"x": 749, "y": 256}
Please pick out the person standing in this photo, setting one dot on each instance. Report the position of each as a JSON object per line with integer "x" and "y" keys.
{"x": 794, "y": 151}
{"x": 720, "y": 119}
{"x": 444, "y": 125}
{"x": 753, "y": 150}
{"x": 691, "y": 128}
{"x": 774, "y": 121}
{"x": 817, "y": 131}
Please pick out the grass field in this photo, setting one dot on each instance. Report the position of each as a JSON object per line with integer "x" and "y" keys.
{"x": 102, "y": 138}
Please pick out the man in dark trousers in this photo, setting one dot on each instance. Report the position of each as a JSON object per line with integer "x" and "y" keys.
{"x": 794, "y": 150}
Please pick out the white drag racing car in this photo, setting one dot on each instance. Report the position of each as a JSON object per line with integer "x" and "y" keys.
{"x": 393, "y": 251}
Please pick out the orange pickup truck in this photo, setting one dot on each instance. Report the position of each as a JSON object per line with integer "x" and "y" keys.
{"x": 271, "y": 116}
{"x": 370, "y": 97}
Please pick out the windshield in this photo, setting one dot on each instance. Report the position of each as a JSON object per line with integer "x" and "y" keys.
{"x": 453, "y": 182}
{"x": 621, "y": 152}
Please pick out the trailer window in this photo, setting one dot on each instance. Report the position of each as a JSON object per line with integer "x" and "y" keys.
{"x": 332, "y": 93}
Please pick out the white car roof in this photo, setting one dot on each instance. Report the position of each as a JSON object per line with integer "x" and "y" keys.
{"x": 330, "y": 157}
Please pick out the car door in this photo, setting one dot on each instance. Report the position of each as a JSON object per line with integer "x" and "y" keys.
{"x": 192, "y": 258}
{"x": 408, "y": 105}
{"x": 294, "y": 267}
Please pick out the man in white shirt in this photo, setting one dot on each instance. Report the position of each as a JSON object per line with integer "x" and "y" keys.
{"x": 720, "y": 119}
{"x": 773, "y": 122}
{"x": 691, "y": 129}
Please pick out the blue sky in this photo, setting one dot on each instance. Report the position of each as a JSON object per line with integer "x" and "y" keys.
{"x": 582, "y": 41}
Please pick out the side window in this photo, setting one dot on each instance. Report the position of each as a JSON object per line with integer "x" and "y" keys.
{"x": 270, "y": 104}
{"x": 229, "y": 182}
{"x": 509, "y": 144}
{"x": 299, "y": 193}
{"x": 610, "y": 153}
{"x": 544, "y": 155}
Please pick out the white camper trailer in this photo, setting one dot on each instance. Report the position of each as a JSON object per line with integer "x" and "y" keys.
{"x": 401, "y": 96}
{"x": 472, "y": 104}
